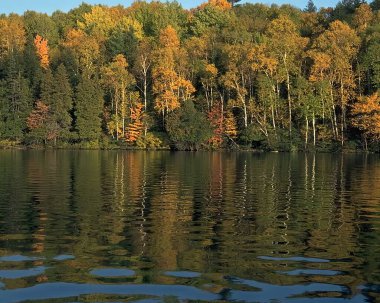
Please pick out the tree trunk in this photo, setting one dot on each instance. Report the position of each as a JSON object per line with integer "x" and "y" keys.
{"x": 314, "y": 131}
{"x": 343, "y": 108}
{"x": 289, "y": 97}
{"x": 307, "y": 132}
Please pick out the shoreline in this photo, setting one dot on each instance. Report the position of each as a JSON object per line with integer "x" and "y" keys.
{"x": 168, "y": 149}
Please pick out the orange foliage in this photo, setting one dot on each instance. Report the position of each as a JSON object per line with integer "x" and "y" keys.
{"x": 219, "y": 4}
{"x": 367, "y": 115}
{"x": 136, "y": 127}
{"x": 215, "y": 117}
{"x": 38, "y": 116}
{"x": 42, "y": 51}
{"x": 169, "y": 37}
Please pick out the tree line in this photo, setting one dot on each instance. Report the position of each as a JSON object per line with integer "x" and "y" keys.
{"x": 220, "y": 75}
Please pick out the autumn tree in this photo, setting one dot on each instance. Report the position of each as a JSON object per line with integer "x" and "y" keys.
{"x": 169, "y": 85}
{"x": 363, "y": 17}
{"x": 42, "y": 48}
{"x": 136, "y": 126}
{"x": 287, "y": 46}
{"x": 366, "y": 116}
{"x": 143, "y": 68}
{"x": 120, "y": 82}
{"x": 40, "y": 124}
{"x": 216, "y": 118}
{"x": 12, "y": 35}
{"x": 339, "y": 46}
{"x": 238, "y": 78}
{"x": 230, "y": 125}
{"x": 85, "y": 49}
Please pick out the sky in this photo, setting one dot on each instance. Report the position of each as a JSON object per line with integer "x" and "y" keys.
{"x": 48, "y": 6}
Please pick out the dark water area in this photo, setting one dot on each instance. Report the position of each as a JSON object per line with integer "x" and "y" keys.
{"x": 114, "y": 226}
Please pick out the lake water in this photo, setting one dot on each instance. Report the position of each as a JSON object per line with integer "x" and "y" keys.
{"x": 97, "y": 226}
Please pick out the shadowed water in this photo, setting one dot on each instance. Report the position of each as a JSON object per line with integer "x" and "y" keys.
{"x": 149, "y": 227}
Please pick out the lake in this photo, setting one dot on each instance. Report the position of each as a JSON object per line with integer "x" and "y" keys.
{"x": 115, "y": 226}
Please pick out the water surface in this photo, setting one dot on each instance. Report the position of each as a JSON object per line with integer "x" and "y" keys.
{"x": 148, "y": 227}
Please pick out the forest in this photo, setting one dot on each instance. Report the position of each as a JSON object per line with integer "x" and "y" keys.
{"x": 221, "y": 75}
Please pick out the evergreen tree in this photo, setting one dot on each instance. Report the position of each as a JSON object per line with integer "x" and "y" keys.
{"x": 310, "y": 7}
{"x": 63, "y": 99}
{"x": 233, "y": 2}
{"x": 375, "y": 5}
{"x": 15, "y": 105}
{"x": 188, "y": 128}
{"x": 47, "y": 87}
{"x": 88, "y": 109}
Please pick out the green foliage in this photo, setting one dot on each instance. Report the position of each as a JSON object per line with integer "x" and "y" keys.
{"x": 188, "y": 128}
{"x": 41, "y": 24}
{"x": 208, "y": 18}
{"x": 88, "y": 109}
{"x": 252, "y": 136}
{"x": 15, "y": 104}
{"x": 310, "y": 7}
{"x": 371, "y": 58}
{"x": 63, "y": 99}
{"x": 149, "y": 141}
{"x": 156, "y": 16}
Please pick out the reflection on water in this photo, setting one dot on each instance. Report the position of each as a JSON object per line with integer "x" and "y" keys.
{"x": 91, "y": 226}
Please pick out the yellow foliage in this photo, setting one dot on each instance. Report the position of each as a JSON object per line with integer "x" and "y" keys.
{"x": 12, "y": 34}
{"x": 85, "y": 47}
{"x": 321, "y": 65}
{"x": 230, "y": 126}
{"x": 363, "y": 17}
{"x": 99, "y": 21}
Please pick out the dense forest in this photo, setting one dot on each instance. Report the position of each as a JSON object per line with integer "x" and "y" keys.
{"x": 222, "y": 75}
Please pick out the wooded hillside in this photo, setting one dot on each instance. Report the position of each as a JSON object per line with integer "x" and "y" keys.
{"x": 217, "y": 76}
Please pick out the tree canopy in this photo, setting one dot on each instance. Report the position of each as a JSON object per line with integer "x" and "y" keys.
{"x": 219, "y": 75}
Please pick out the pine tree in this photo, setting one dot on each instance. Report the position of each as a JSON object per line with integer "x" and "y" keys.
{"x": 310, "y": 7}
{"x": 88, "y": 108}
{"x": 15, "y": 103}
{"x": 63, "y": 99}
{"x": 233, "y": 2}
{"x": 47, "y": 87}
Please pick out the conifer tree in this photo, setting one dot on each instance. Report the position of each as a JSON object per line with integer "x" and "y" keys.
{"x": 88, "y": 109}
{"x": 63, "y": 99}
{"x": 15, "y": 103}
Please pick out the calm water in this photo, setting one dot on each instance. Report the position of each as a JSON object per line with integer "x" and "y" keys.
{"x": 154, "y": 227}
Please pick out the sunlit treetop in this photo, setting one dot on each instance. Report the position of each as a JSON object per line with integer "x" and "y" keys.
{"x": 219, "y": 4}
